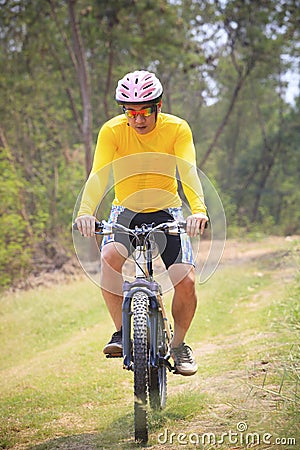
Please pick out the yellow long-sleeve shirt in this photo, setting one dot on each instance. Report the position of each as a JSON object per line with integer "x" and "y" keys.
{"x": 144, "y": 167}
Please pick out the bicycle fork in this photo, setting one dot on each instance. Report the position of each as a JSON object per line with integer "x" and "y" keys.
{"x": 151, "y": 289}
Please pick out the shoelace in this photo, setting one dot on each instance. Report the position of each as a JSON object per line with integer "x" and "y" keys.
{"x": 183, "y": 354}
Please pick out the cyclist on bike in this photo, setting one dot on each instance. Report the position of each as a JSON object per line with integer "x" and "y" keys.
{"x": 145, "y": 147}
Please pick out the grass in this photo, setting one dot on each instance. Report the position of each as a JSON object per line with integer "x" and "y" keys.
{"x": 59, "y": 392}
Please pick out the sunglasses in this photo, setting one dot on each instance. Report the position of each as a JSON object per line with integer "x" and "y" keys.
{"x": 132, "y": 114}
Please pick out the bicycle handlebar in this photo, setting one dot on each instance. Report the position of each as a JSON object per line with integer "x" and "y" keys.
{"x": 104, "y": 228}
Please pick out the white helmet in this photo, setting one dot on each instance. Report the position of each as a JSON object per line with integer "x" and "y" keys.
{"x": 140, "y": 86}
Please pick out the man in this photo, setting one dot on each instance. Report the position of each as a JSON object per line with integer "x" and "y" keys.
{"x": 145, "y": 147}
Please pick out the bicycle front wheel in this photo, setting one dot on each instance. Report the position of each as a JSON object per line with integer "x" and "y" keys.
{"x": 140, "y": 347}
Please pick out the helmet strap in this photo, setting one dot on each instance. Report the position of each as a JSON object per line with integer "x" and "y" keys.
{"x": 156, "y": 109}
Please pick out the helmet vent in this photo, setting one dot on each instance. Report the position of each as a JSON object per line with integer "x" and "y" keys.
{"x": 147, "y": 86}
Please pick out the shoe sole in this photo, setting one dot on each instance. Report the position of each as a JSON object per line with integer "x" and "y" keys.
{"x": 113, "y": 350}
{"x": 185, "y": 374}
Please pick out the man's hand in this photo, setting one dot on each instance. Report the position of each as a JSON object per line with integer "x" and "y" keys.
{"x": 86, "y": 225}
{"x": 196, "y": 223}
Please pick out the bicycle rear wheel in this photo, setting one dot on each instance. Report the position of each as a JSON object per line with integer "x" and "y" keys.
{"x": 140, "y": 346}
{"x": 158, "y": 376}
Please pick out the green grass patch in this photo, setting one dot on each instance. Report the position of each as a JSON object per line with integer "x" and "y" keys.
{"x": 36, "y": 320}
{"x": 58, "y": 390}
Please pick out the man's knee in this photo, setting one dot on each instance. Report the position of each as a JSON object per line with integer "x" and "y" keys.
{"x": 113, "y": 256}
{"x": 111, "y": 269}
{"x": 182, "y": 277}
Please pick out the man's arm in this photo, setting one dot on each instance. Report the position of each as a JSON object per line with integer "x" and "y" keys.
{"x": 186, "y": 164}
{"x": 96, "y": 184}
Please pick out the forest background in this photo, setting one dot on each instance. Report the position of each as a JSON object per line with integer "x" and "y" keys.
{"x": 227, "y": 67}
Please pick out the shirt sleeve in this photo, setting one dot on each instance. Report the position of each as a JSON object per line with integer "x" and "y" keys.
{"x": 98, "y": 178}
{"x": 186, "y": 164}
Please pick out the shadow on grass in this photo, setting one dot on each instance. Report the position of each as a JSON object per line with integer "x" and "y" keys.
{"x": 120, "y": 433}
{"x": 85, "y": 441}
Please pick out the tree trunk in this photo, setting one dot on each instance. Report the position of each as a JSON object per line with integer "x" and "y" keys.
{"x": 108, "y": 78}
{"x": 224, "y": 121}
{"x": 84, "y": 84}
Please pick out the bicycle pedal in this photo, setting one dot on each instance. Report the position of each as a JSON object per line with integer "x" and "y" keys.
{"x": 167, "y": 363}
{"x": 114, "y": 355}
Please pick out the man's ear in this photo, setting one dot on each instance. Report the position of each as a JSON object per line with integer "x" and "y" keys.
{"x": 159, "y": 106}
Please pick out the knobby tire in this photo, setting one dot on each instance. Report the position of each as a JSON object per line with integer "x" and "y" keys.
{"x": 140, "y": 346}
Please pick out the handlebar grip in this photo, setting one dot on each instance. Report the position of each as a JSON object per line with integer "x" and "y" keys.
{"x": 98, "y": 226}
{"x": 182, "y": 224}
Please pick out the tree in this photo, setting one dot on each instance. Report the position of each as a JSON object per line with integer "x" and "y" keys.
{"x": 223, "y": 67}
{"x": 77, "y": 55}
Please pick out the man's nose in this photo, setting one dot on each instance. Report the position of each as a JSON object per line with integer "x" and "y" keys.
{"x": 140, "y": 118}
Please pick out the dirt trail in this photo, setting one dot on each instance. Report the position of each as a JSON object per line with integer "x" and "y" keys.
{"x": 237, "y": 251}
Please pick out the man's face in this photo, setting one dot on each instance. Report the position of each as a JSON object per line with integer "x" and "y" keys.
{"x": 141, "y": 123}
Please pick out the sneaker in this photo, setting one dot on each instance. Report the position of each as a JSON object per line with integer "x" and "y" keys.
{"x": 184, "y": 360}
{"x": 114, "y": 346}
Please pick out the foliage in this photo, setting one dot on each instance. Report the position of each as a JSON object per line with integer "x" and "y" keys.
{"x": 15, "y": 250}
{"x": 223, "y": 66}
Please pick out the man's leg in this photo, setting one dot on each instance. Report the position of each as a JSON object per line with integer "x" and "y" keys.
{"x": 113, "y": 256}
{"x": 183, "y": 310}
{"x": 184, "y": 300}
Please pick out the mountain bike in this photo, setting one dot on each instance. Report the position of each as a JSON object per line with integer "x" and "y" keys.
{"x": 146, "y": 331}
